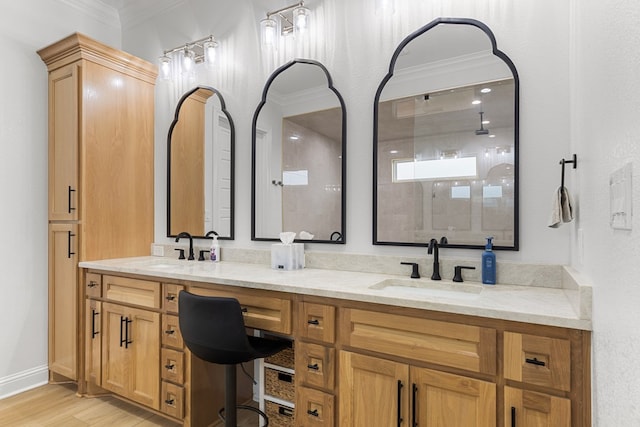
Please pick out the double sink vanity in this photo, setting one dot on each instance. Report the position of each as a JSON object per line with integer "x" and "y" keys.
{"x": 369, "y": 348}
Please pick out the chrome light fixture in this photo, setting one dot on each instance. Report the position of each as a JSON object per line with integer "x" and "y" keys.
{"x": 189, "y": 54}
{"x": 293, "y": 19}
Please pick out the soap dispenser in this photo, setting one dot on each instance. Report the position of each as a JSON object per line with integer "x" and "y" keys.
{"x": 214, "y": 252}
{"x": 489, "y": 264}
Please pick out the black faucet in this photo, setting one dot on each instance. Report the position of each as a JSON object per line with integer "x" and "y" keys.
{"x": 433, "y": 249}
{"x": 185, "y": 234}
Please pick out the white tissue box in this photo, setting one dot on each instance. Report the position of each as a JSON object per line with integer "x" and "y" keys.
{"x": 287, "y": 257}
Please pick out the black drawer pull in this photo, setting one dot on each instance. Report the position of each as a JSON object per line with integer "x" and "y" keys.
{"x": 535, "y": 361}
{"x": 313, "y": 322}
{"x": 69, "y": 236}
{"x": 71, "y": 190}
{"x": 285, "y": 411}
{"x": 170, "y": 297}
{"x": 285, "y": 377}
{"x": 315, "y": 367}
{"x": 170, "y": 401}
{"x": 513, "y": 416}
{"x": 245, "y": 309}
{"x": 169, "y": 367}
{"x": 313, "y": 413}
{"x": 169, "y": 332}
{"x": 92, "y": 284}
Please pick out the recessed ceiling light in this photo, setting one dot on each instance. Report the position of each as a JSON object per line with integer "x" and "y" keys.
{"x": 492, "y": 136}
{"x": 486, "y": 122}
{"x": 476, "y": 102}
{"x": 294, "y": 137}
{"x": 485, "y": 90}
{"x": 393, "y": 152}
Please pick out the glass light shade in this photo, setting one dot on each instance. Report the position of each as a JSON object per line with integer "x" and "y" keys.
{"x": 301, "y": 17}
{"x": 165, "y": 67}
{"x": 268, "y": 32}
{"x": 188, "y": 60}
{"x": 209, "y": 48}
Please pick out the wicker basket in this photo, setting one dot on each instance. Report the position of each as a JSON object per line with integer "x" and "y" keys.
{"x": 284, "y": 358}
{"x": 279, "y": 416}
{"x": 279, "y": 384}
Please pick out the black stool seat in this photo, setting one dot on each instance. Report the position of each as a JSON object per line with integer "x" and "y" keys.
{"x": 213, "y": 330}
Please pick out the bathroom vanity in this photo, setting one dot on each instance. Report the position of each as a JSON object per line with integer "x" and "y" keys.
{"x": 369, "y": 349}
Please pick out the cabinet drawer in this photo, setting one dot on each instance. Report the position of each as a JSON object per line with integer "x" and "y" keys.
{"x": 172, "y": 402}
{"x": 171, "y": 335}
{"x": 93, "y": 285}
{"x": 132, "y": 291}
{"x": 528, "y": 408}
{"x": 314, "y": 408}
{"x": 315, "y": 365}
{"x": 456, "y": 345}
{"x": 172, "y": 365}
{"x": 170, "y": 294}
{"x": 261, "y": 309}
{"x": 279, "y": 384}
{"x": 317, "y": 322}
{"x": 537, "y": 360}
{"x": 279, "y": 415}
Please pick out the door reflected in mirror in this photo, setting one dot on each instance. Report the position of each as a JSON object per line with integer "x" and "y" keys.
{"x": 200, "y": 158}
{"x": 299, "y": 156}
{"x": 446, "y": 140}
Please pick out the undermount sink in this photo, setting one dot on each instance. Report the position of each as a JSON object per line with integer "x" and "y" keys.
{"x": 431, "y": 288}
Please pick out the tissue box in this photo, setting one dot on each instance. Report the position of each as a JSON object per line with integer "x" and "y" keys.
{"x": 287, "y": 257}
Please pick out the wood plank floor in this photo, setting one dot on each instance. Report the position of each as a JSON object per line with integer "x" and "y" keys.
{"x": 55, "y": 405}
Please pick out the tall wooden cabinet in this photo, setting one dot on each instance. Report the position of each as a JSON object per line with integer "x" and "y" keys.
{"x": 101, "y": 112}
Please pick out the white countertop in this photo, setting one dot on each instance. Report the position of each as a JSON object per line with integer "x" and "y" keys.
{"x": 546, "y": 306}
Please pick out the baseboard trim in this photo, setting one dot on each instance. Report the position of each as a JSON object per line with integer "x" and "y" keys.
{"x": 23, "y": 381}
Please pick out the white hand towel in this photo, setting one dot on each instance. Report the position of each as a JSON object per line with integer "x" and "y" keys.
{"x": 561, "y": 210}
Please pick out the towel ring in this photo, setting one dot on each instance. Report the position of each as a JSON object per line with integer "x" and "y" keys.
{"x": 564, "y": 162}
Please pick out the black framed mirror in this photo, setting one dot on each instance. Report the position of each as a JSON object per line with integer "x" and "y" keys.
{"x": 298, "y": 158}
{"x": 445, "y": 139}
{"x": 200, "y": 166}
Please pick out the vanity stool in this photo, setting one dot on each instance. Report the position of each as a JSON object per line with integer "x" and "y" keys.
{"x": 213, "y": 330}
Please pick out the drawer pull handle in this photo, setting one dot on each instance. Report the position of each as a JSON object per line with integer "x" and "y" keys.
{"x": 285, "y": 411}
{"x": 535, "y": 361}
{"x": 513, "y": 416}
{"x": 313, "y": 322}
{"x": 70, "y": 208}
{"x": 399, "y": 417}
{"x": 92, "y": 284}
{"x": 285, "y": 377}
{"x": 244, "y": 309}
{"x": 313, "y": 413}
{"x": 169, "y": 332}
{"x": 170, "y": 401}
{"x": 169, "y": 367}
{"x": 414, "y": 401}
{"x": 94, "y": 313}
{"x": 315, "y": 367}
{"x": 170, "y": 297}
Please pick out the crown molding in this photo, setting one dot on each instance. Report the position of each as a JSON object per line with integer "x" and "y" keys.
{"x": 96, "y": 9}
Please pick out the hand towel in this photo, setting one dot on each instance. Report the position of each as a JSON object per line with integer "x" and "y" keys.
{"x": 561, "y": 210}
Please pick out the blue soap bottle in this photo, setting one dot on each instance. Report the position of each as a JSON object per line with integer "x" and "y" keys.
{"x": 489, "y": 264}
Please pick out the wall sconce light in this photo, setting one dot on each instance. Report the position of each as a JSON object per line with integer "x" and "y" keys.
{"x": 293, "y": 19}
{"x": 195, "y": 52}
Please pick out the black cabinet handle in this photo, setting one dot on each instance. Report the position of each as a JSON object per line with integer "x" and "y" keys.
{"x": 169, "y": 366}
{"x": 170, "y": 297}
{"x": 313, "y": 322}
{"x": 315, "y": 367}
{"x": 69, "y": 236}
{"x": 127, "y": 341}
{"x": 244, "y": 309}
{"x": 169, "y": 401}
{"x": 535, "y": 361}
{"x": 121, "y": 330}
{"x": 92, "y": 284}
{"x": 313, "y": 413}
{"x": 399, "y": 403}
{"x": 169, "y": 332}
{"x": 513, "y": 416}
{"x": 414, "y": 399}
{"x": 71, "y": 190}
{"x": 94, "y": 313}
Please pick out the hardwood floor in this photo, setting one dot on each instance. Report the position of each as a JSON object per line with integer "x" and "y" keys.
{"x": 55, "y": 405}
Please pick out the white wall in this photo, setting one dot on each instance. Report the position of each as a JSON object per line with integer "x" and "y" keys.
{"x": 606, "y": 108}
{"x": 25, "y": 27}
{"x": 356, "y": 46}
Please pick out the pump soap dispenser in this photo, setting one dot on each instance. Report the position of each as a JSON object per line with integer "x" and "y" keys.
{"x": 489, "y": 264}
{"x": 214, "y": 252}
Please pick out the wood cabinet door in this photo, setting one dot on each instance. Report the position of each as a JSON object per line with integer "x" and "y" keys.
{"x": 442, "y": 399}
{"x": 63, "y": 300}
{"x": 524, "y": 408}
{"x": 373, "y": 391}
{"x": 116, "y": 365}
{"x": 144, "y": 349}
{"x": 93, "y": 342}
{"x": 63, "y": 143}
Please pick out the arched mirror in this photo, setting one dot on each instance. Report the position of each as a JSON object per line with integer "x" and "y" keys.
{"x": 446, "y": 140}
{"x": 200, "y": 166}
{"x": 298, "y": 156}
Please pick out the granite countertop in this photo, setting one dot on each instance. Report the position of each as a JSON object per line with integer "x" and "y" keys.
{"x": 539, "y": 305}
